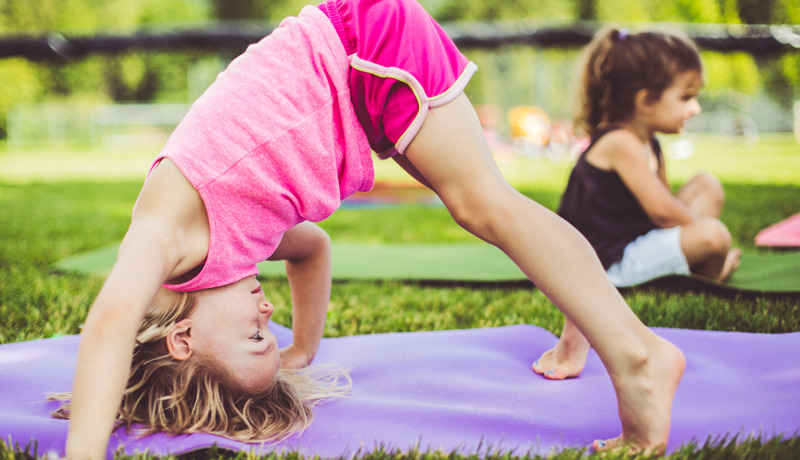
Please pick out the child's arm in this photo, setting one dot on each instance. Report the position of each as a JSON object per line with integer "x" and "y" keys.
{"x": 168, "y": 236}
{"x": 627, "y": 157}
{"x": 107, "y": 341}
{"x": 306, "y": 250}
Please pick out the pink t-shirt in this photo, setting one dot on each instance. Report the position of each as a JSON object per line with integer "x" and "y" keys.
{"x": 273, "y": 142}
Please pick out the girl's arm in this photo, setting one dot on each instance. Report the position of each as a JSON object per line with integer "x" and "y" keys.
{"x": 166, "y": 238}
{"x": 629, "y": 158}
{"x": 107, "y": 342}
{"x": 306, "y": 248}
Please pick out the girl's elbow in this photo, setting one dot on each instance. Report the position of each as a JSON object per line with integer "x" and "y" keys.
{"x": 663, "y": 219}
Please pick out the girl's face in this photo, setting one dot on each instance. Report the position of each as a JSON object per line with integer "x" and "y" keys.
{"x": 230, "y": 324}
{"x": 678, "y": 103}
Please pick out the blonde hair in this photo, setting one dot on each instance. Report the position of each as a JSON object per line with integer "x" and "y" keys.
{"x": 616, "y": 65}
{"x": 200, "y": 395}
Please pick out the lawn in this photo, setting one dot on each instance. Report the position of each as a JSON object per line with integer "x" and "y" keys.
{"x": 62, "y": 201}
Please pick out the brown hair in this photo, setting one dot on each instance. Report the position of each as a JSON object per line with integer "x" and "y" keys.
{"x": 617, "y": 65}
{"x": 200, "y": 395}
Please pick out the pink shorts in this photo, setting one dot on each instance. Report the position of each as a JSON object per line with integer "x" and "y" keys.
{"x": 402, "y": 64}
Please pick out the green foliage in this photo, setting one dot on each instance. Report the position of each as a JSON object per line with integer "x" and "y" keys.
{"x": 676, "y": 11}
{"x": 19, "y": 83}
{"x": 731, "y": 72}
{"x": 627, "y": 10}
{"x": 791, "y": 70}
{"x": 248, "y": 10}
{"x": 452, "y": 10}
{"x": 171, "y": 12}
{"x": 148, "y": 77}
{"x": 140, "y": 77}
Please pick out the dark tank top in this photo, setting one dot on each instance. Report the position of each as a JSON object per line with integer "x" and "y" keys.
{"x": 600, "y": 206}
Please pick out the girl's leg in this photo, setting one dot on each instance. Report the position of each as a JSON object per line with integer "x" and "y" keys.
{"x": 707, "y": 242}
{"x": 703, "y": 194}
{"x": 451, "y": 153}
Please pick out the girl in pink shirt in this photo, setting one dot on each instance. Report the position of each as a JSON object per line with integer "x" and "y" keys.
{"x": 276, "y": 143}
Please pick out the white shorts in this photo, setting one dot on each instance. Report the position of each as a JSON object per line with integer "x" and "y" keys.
{"x": 653, "y": 255}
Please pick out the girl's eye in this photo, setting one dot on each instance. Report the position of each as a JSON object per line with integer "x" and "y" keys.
{"x": 257, "y": 337}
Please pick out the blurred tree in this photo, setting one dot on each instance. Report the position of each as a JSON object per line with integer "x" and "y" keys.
{"x": 141, "y": 76}
{"x": 135, "y": 76}
{"x": 480, "y": 10}
{"x": 659, "y": 11}
{"x": 19, "y": 82}
{"x": 247, "y": 10}
{"x": 781, "y": 74}
{"x": 27, "y": 16}
{"x": 587, "y": 10}
{"x": 756, "y": 11}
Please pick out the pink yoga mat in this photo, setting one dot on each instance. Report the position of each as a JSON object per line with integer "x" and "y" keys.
{"x": 785, "y": 233}
{"x": 464, "y": 390}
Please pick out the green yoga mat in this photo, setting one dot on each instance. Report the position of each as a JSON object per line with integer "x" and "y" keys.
{"x": 759, "y": 273}
{"x": 412, "y": 262}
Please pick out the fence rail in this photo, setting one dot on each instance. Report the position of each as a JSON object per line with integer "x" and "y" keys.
{"x": 758, "y": 39}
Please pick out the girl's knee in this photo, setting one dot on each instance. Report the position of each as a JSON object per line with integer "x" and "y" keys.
{"x": 709, "y": 185}
{"x": 469, "y": 214}
{"x": 714, "y": 235}
{"x": 480, "y": 214}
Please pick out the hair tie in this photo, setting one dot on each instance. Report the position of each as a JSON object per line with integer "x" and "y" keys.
{"x": 623, "y": 34}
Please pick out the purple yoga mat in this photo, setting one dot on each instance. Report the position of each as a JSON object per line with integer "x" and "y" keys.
{"x": 464, "y": 390}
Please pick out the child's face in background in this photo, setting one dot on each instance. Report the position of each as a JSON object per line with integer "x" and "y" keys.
{"x": 230, "y": 324}
{"x": 678, "y": 103}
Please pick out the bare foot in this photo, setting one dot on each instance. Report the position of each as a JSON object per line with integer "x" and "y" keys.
{"x": 565, "y": 360}
{"x": 645, "y": 397}
{"x": 732, "y": 261}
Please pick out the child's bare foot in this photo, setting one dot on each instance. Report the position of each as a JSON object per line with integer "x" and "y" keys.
{"x": 566, "y": 359}
{"x": 732, "y": 261}
{"x": 645, "y": 397}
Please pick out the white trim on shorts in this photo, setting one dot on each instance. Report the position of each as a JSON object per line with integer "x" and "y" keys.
{"x": 653, "y": 255}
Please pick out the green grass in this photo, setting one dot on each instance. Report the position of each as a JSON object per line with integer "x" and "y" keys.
{"x": 55, "y": 203}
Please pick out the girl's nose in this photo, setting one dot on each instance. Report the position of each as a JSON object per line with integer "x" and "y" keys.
{"x": 266, "y": 308}
{"x": 696, "y": 109}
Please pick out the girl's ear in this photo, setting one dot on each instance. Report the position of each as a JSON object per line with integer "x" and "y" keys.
{"x": 179, "y": 340}
{"x": 642, "y": 101}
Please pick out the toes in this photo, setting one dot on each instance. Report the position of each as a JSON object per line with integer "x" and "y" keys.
{"x": 562, "y": 372}
{"x": 552, "y": 369}
{"x": 555, "y": 374}
{"x": 551, "y": 374}
{"x": 600, "y": 445}
{"x": 541, "y": 365}
{"x": 617, "y": 444}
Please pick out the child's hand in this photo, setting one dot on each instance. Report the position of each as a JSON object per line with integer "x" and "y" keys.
{"x": 292, "y": 357}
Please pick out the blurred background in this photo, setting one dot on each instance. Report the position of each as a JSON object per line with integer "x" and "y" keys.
{"x": 117, "y": 73}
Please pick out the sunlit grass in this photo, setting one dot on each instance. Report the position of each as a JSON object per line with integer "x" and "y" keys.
{"x": 59, "y": 202}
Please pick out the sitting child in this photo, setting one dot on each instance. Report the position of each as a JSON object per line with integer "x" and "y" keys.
{"x": 618, "y": 196}
{"x": 632, "y": 87}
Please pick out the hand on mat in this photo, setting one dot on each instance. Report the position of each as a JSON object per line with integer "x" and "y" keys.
{"x": 292, "y": 357}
